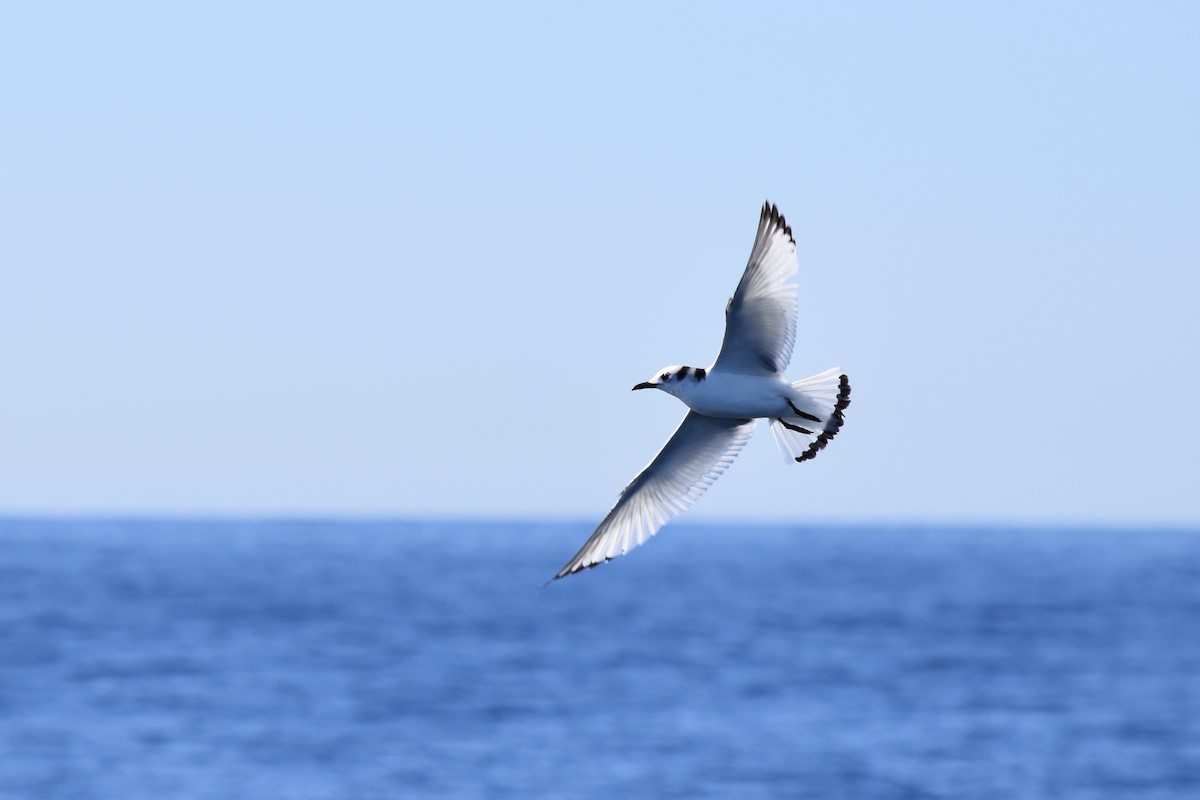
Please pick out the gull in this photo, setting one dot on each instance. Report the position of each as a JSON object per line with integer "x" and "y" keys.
{"x": 725, "y": 401}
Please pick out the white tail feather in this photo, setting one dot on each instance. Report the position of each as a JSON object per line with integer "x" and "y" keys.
{"x": 818, "y": 401}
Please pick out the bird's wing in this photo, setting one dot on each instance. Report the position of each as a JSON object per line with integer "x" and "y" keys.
{"x": 760, "y": 319}
{"x": 696, "y": 454}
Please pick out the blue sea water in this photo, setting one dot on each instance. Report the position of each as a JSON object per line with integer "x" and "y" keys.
{"x": 320, "y": 660}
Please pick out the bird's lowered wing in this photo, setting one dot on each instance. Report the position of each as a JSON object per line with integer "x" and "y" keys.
{"x": 696, "y": 454}
{"x": 760, "y": 320}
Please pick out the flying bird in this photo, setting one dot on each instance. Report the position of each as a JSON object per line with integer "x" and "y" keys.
{"x": 725, "y": 401}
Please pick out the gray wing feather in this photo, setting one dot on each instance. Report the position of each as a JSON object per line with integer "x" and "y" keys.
{"x": 696, "y": 454}
{"x": 760, "y": 320}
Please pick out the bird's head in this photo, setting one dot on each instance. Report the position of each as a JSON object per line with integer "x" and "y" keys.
{"x": 669, "y": 379}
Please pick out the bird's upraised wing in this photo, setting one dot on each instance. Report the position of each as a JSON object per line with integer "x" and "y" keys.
{"x": 760, "y": 320}
{"x": 696, "y": 454}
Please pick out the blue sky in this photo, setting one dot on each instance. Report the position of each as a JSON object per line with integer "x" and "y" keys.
{"x": 386, "y": 259}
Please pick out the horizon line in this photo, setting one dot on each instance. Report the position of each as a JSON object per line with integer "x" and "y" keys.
{"x": 211, "y": 517}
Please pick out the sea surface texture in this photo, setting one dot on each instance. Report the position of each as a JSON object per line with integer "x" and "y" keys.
{"x": 352, "y": 661}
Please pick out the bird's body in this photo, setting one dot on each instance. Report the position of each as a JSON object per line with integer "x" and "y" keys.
{"x": 733, "y": 395}
{"x": 725, "y": 400}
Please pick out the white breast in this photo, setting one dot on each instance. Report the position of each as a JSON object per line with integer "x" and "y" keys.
{"x": 736, "y": 396}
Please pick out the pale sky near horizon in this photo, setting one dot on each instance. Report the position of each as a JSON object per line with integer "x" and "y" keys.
{"x": 393, "y": 259}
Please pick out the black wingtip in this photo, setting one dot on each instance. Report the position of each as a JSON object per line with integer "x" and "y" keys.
{"x": 771, "y": 216}
{"x": 566, "y": 573}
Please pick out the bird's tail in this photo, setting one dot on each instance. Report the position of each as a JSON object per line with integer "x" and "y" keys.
{"x": 817, "y": 403}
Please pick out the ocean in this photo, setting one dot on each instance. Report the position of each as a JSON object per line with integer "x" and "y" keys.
{"x": 322, "y": 660}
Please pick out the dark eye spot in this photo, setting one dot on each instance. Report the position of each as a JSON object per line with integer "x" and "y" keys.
{"x": 666, "y": 376}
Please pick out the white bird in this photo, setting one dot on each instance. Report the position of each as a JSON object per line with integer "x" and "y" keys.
{"x": 726, "y": 400}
